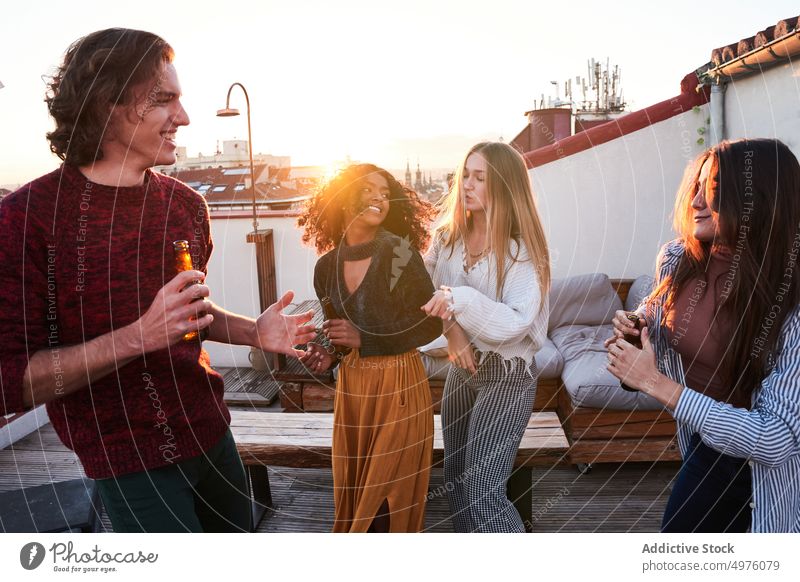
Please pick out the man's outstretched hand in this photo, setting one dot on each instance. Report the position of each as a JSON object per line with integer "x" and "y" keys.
{"x": 279, "y": 333}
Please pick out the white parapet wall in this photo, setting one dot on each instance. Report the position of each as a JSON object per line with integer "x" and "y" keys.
{"x": 764, "y": 105}
{"x": 233, "y": 279}
{"x": 609, "y": 208}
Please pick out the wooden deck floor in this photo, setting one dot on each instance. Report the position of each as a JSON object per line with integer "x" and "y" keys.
{"x": 610, "y": 498}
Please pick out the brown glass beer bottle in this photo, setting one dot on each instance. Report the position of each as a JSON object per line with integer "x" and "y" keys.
{"x": 183, "y": 262}
{"x": 636, "y": 340}
{"x": 329, "y": 312}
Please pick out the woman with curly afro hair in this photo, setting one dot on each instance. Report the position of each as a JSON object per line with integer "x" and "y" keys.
{"x": 372, "y": 283}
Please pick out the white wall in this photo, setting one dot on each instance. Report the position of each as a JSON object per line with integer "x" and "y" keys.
{"x": 765, "y": 105}
{"x": 232, "y": 274}
{"x": 609, "y": 208}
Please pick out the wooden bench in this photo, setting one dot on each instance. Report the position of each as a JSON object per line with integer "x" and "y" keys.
{"x": 607, "y": 435}
{"x": 304, "y": 440}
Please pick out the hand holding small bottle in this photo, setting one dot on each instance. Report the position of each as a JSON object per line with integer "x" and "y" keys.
{"x": 624, "y": 323}
{"x": 627, "y": 326}
{"x": 179, "y": 307}
{"x": 342, "y": 332}
{"x": 183, "y": 262}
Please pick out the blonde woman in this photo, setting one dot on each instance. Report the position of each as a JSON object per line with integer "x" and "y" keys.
{"x": 491, "y": 266}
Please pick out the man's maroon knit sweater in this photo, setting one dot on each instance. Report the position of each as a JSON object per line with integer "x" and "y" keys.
{"x": 78, "y": 260}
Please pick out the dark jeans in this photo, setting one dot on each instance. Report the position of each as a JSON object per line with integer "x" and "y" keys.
{"x": 208, "y": 493}
{"x": 711, "y": 494}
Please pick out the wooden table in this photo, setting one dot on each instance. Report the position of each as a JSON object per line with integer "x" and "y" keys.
{"x": 304, "y": 440}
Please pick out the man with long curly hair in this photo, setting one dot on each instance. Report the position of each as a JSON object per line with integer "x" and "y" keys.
{"x": 95, "y": 318}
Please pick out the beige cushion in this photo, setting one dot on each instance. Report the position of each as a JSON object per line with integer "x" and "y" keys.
{"x": 435, "y": 368}
{"x": 640, "y": 289}
{"x": 549, "y": 361}
{"x": 585, "y": 376}
{"x": 582, "y": 300}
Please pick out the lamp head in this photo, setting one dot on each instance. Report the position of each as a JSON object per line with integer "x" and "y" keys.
{"x": 227, "y": 112}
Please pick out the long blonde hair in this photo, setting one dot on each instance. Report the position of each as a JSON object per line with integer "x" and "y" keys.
{"x": 511, "y": 212}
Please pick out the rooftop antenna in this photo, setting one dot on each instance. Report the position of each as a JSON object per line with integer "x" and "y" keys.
{"x": 583, "y": 90}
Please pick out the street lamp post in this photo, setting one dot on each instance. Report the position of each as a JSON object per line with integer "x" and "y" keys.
{"x": 229, "y": 112}
{"x": 265, "y": 251}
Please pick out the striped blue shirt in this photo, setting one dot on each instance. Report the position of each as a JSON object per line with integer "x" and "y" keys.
{"x": 768, "y": 435}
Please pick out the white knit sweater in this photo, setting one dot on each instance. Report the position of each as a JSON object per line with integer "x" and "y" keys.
{"x": 511, "y": 325}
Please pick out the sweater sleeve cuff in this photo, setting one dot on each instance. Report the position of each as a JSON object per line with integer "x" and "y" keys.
{"x": 12, "y": 372}
{"x": 462, "y": 296}
{"x": 693, "y": 408}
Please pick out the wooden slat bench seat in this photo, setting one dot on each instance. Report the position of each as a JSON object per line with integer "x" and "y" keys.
{"x": 607, "y": 435}
{"x": 304, "y": 440}
{"x": 616, "y": 436}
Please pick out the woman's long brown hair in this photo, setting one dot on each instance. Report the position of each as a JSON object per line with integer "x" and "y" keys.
{"x": 754, "y": 187}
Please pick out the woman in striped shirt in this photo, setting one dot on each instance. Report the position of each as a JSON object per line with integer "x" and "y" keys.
{"x": 490, "y": 258}
{"x": 724, "y": 350}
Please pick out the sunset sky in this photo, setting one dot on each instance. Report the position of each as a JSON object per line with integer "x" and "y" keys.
{"x": 378, "y": 81}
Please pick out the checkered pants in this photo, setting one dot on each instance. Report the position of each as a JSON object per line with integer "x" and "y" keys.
{"x": 483, "y": 419}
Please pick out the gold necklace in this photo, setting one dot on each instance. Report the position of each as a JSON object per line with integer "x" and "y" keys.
{"x": 475, "y": 256}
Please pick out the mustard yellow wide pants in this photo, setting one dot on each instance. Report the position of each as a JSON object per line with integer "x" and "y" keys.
{"x": 382, "y": 441}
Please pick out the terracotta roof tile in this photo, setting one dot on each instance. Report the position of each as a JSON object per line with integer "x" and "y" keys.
{"x": 785, "y": 26}
{"x": 728, "y": 53}
{"x": 745, "y": 46}
{"x": 765, "y": 36}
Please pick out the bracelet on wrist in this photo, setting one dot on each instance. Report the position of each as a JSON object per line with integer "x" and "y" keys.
{"x": 339, "y": 354}
{"x": 327, "y": 345}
